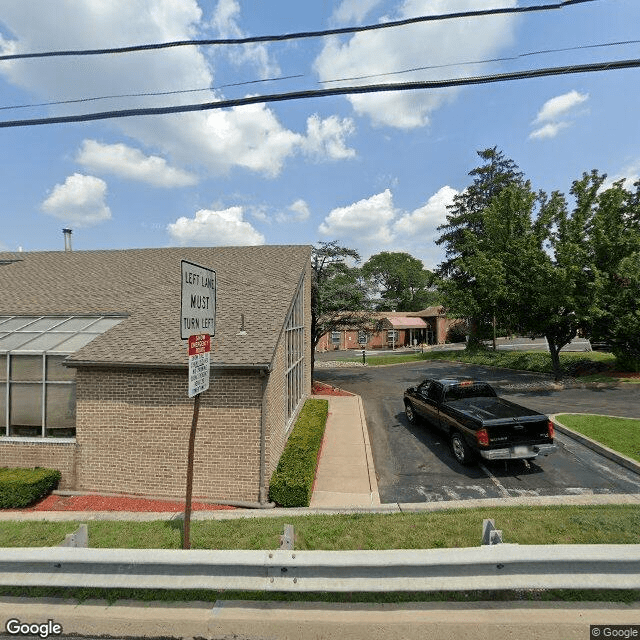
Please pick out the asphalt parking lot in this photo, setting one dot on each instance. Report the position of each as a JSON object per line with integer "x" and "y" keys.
{"x": 414, "y": 464}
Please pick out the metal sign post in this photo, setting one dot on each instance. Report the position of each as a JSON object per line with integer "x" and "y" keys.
{"x": 197, "y": 324}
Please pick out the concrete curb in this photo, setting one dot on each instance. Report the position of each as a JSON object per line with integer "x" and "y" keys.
{"x": 373, "y": 481}
{"x": 383, "y": 509}
{"x": 619, "y": 458}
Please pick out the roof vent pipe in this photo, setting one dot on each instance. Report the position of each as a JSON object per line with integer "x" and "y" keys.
{"x": 67, "y": 239}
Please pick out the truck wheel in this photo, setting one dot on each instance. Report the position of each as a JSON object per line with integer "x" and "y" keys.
{"x": 461, "y": 450}
{"x": 410, "y": 413}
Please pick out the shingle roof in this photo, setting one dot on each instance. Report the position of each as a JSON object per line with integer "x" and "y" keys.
{"x": 259, "y": 282}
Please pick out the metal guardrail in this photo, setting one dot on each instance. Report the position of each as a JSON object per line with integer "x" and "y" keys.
{"x": 498, "y": 566}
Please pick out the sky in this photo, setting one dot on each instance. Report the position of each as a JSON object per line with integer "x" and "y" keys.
{"x": 374, "y": 171}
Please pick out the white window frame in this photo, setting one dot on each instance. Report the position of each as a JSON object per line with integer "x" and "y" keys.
{"x": 296, "y": 356}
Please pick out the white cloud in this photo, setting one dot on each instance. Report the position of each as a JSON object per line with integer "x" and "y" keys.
{"x": 554, "y": 114}
{"x": 390, "y": 50}
{"x": 556, "y": 107}
{"x": 80, "y": 201}
{"x": 225, "y": 22}
{"x": 216, "y": 228}
{"x": 375, "y": 224}
{"x": 326, "y": 138}
{"x": 629, "y": 175}
{"x": 367, "y": 220}
{"x": 549, "y": 130}
{"x": 425, "y": 220}
{"x": 354, "y": 11}
{"x": 301, "y": 209}
{"x": 131, "y": 163}
{"x": 250, "y": 137}
{"x": 299, "y": 212}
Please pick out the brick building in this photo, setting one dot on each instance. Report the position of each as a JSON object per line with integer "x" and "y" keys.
{"x": 93, "y": 373}
{"x": 390, "y": 329}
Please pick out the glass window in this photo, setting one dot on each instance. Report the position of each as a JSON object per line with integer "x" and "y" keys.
{"x": 335, "y": 337}
{"x": 25, "y": 367}
{"x": 25, "y": 411}
{"x": 103, "y": 325}
{"x": 17, "y": 323}
{"x": 46, "y": 341}
{"x": 57, "y": 371}
{"x": 435, "y": 391}
{"x": 3, "y": 406}
{"x": 39, "y": 387}
{"x": 44, "y": 324}
{"x": 14, "y": 340}
{"x": 363, "y": 337}
{"x": 295, "y": 355}
{"x": 74, "y": 324}
{"x": 76, "y": 342}
{"x": 61, "y": 409}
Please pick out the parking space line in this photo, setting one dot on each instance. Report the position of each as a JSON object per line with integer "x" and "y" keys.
{"x": 501, "y": 489}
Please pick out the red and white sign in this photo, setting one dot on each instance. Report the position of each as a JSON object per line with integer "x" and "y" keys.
{"x": 199, "y": 363}
{"x": 199, "y": 344}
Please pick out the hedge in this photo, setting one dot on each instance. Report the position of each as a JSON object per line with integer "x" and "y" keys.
{"x": 21, "y": 487}
{"x": 292, "y": 481}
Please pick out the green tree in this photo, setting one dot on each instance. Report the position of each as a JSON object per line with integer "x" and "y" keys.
{"x": 528, "y": 266}
{"x": 614, "y": 239}
{"x": 465, "y": 217}
{"x": 401, "y": 280}
{"x": 338, "y": 293}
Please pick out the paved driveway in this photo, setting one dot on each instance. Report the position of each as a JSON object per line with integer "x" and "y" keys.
{"x": 414, "y": 464}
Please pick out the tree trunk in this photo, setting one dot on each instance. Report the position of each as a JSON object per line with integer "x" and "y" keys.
{"x": 554, "y": 351}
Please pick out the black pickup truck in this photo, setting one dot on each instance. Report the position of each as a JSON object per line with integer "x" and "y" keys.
{"x": 478, "y": 422}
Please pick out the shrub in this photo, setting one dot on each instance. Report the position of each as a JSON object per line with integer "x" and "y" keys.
{"x": 21, "y": 487}
{"x": 457, "y": 332}
{"x": 292, "y": 481}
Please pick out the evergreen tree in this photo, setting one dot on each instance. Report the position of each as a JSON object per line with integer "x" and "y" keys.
{"x": 464, "y": 218}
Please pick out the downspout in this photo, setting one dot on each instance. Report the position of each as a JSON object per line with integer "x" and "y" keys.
{"x": 262, "y": 495}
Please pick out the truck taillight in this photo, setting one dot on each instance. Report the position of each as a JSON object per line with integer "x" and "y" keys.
{"x": 552, "y": 431}
{"x": 482, "y": 437}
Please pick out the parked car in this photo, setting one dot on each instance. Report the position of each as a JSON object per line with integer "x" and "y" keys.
{"x": 478, "y": 423}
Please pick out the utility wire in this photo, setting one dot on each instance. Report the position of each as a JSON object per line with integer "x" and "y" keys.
{"x": 302, "y": 75}
{"x": 298, "y": 35}
{"x": 334, "y": 91}
{"x": 146, "y": 94}
{"x": 470, "y": 62}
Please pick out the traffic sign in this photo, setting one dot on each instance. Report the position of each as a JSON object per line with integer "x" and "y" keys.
{"x": 198, "y": 307}
{"x": 199, "y": 364}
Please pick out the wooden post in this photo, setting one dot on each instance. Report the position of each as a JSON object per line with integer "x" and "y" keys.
{"x": 186, "y": 542}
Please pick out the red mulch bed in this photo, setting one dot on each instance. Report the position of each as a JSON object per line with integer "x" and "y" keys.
{"x": 623, "y": 374}
{"x": 322, "y": 389}
{"x": 115, "y": 503}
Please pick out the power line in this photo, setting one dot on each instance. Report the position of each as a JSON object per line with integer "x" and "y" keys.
{"x": 302, "y": 75}
{"x": 298, "y": 35}
{"x": 486, "y": 61}
{"x": 146, "y": 94}
{"x": 334, "y": 91}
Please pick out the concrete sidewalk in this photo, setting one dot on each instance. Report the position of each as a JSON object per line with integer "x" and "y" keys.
{"x": 346, "y": 476}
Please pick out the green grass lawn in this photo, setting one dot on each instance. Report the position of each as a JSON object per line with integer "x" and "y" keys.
{"x": 619, "y": 434}
{"x": 618, "y": 524}
{"x": 535, "y": 361}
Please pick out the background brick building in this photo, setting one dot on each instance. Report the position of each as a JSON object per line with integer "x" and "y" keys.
{"x": 391, "y": 329}
{"x": 93, "y": 373}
